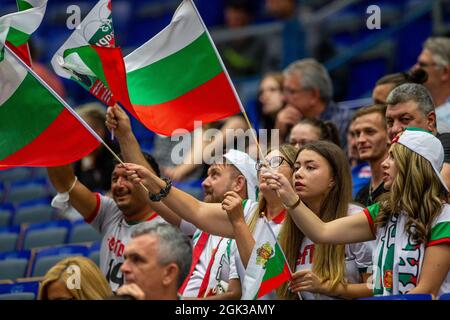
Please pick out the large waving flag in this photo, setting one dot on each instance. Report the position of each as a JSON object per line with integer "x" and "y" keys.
{"x": 18, "y": 26}
{"x": 35, "y": 127}
{"x": 78, "y": 59}
{"x": 178, "y": 77}
{"x": 174, "y": 79}
{"x": 267, "y": 267}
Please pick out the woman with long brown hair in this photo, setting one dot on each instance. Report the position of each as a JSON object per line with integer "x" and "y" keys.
{"x": 411, "y": 224}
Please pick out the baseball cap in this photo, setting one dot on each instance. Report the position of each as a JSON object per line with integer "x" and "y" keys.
{"x": 425, "y": 144}
{"x": 246, "y": 165}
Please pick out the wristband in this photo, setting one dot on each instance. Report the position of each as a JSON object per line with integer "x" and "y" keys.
{"x": 163, "y": 192}
{"x": 295, "y": 205}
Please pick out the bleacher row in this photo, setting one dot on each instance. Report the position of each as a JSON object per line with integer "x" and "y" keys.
{"x": 33, "y": 235}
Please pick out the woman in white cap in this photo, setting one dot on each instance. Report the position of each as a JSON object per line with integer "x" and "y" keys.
{"x": 411, "y": 224}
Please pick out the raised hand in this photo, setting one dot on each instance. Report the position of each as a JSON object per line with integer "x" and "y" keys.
{"x": 281, "y": 185}
{"x": 139, "y": 174}
{"x": 232, "y": 204}
{"x": 118, "y": 120}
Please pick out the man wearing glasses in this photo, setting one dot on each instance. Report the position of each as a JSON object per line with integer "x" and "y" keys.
{"x": 435, "y": 59}
{"x": 308, "y": 92}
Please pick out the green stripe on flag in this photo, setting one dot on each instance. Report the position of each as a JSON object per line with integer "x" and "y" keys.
{"x": 274, "y": 266}
{"x": 25, "y": 115}
{"x": 23, "y": 5}
{"x": 90, "y": 59}
{"x": 17, "y": 37}
{"x": 174, "y": 75}
{"x": 440, "y": 231}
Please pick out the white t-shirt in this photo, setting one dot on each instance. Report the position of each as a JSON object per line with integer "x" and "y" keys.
{"x": 116, "y": 232}
{"x": 223, "y": 268}
{"x": 358, "y": 257}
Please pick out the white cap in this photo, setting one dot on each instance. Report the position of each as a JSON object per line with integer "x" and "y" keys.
{"x": 427, "y": 145}
{"x": 247, "y": 166}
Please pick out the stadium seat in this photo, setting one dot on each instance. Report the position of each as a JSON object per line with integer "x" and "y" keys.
{"x": 19, "y": 291}
{"x": 13, "y": 175}
{"x": 48, "y": 257}
{"x": 46, "y": 234}
{"x": 14, "y": 264}
{"x": 445, "y": 296}
{"x": 5, "y": 217}
{"x": 25, "y": 191}
{"x": 94, "y": 253}
{"x": 83, "y": 232}
{"x": 40, "y": 212}
{"x": 8, "y": 238}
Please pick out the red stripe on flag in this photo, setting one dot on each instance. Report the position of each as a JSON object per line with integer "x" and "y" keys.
{"x": 274, "y": 282}
{"x": 115, "y": 74}
{"x": 23, "y": 52}
{"x": 212, "y": 101}
{"x": 65, "y": 141}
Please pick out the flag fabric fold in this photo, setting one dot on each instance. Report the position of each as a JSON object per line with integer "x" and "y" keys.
{"x": 16, "y": 28}
{"x": 77, "y": 58}
{"x": 171, "y": 81}
{"x": 267, "y": 267}
{"x": 177, "y": 77}
{"x": 35, "y": 127}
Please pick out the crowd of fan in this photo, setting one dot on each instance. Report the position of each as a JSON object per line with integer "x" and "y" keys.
{"x": 312, "y": 188}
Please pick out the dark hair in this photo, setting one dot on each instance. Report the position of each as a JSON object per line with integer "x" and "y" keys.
{"x": 419, "y": 76}
{"x": 150, "y": 160}
{"x": 328, "y": 130}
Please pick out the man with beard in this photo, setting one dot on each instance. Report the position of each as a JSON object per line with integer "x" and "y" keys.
{"x": 212, "y": 273}
{"x": 116, "y": 218}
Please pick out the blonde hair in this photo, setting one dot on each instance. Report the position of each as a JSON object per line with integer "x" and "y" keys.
{"x": 416, "y": 191}
{"x": 328, "y": 259}
{"x": 93, "y": 285}
{"x": 290, "y": 154}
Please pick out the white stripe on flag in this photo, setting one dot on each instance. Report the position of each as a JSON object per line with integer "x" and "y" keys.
{"x": 184, "y": 28}
{"x": 12, "y": 75}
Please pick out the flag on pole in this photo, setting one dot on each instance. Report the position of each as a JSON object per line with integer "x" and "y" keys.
{"x": 16, "y": 28}
{"x": 267, "y": 267}
{"x": 178, "y": 77}
{"x": 77, "y": 59}
{"x": 35, "y": 127}
{"x": 174, "y": 79}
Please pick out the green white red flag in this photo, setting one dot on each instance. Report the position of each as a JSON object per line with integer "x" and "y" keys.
{"x": 16, "y": 28}
{"x": 173, "y": 80}
{"x": 267, "y": 267}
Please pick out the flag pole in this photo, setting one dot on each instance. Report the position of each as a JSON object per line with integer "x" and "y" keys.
{"x": 241, "y": 106}
{"x": 66, "y": 105}
{"x": 229, "y": 80}
{"x": 282, "y": 252}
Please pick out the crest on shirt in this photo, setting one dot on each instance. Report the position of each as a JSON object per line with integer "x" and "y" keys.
{"x": 263, "y": 254}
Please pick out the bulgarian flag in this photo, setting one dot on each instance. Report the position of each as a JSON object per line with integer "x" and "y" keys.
{"x": 77, "y": 59}
{"x": 35, "y": 127}
{"x": 18, "y": 27}
{"x": 174, "y": 79}
{"x": 267, "y": 267}
{"x": 178, "y": 77}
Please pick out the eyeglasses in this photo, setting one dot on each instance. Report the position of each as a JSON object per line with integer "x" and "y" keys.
{"x": 274, "y": 163}
{"x": 425, "y": 65}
